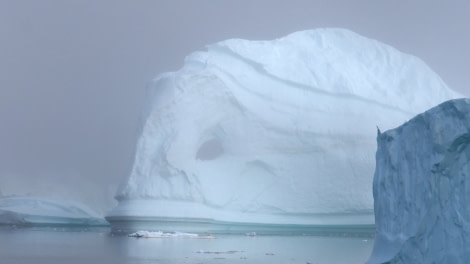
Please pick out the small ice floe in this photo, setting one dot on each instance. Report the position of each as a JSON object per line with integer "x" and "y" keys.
{"x": 219, "y": 252}
{"x": 160, "y": 234}
{"x": 252, "y": 234}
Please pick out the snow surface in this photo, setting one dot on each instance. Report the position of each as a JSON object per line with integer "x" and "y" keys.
{"x": 421, "y": 188}
{"x": 276, "y": 132}
{"x": 17, "y": 210}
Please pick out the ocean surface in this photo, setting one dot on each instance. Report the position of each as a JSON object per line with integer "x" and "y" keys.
{"x": 99, "y": 245}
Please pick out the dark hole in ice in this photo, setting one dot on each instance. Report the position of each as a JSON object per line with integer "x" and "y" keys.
{"x": 210, "y": 150}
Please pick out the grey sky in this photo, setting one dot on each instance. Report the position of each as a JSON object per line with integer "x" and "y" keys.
{"x": 73, "y": 73}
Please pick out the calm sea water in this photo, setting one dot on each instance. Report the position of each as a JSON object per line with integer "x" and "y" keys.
{"x": 57, "y": 245}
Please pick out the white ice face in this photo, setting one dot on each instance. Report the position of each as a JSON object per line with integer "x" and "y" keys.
{"x": 284, "y": 127}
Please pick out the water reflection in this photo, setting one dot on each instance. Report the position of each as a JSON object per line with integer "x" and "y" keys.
{"x": 99, "y": 246}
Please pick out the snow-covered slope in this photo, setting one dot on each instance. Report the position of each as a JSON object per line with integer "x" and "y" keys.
{"x": 17, "y": 210}
{"x": 273, "y": 132}
{"x": 421, "y": 188}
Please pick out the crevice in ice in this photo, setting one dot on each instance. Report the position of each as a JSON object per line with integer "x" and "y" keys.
{"x": 210, "y": 150}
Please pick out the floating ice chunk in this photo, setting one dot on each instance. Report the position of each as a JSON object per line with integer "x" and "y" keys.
{"x": 159, "y": 234}
{"x": 219, "y": 252}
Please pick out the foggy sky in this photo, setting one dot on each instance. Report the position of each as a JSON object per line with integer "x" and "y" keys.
{"x": 73, "y": 73}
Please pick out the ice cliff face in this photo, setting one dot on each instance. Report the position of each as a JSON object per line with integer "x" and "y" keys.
{"x": 279, "y": 132}
{"x": 422, "y": 188}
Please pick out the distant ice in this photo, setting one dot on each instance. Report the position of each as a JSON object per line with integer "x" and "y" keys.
{"x": 18, "y": 210}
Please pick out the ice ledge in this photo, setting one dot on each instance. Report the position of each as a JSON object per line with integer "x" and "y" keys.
{"x": 133, "y": 215}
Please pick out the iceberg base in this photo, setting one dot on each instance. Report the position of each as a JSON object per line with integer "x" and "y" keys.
{"x": 202, "y": 226}
{"x": 168, "y": 216}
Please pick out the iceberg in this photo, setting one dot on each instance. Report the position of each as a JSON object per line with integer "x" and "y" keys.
{"x": 34, "y": 211}
{"x": 421, "y": 188}
{"x": 271, "y": 134}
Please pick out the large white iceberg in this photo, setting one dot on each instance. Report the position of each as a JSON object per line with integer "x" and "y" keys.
{"x": 422, "y": 188}
{"x": 275, "y": 132}
{"x": 30, "y": 211}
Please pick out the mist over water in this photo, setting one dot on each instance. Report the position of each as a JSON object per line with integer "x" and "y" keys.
{"x": 74, "y": 74}
{"x": 73, "y": 89}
